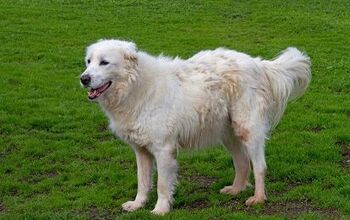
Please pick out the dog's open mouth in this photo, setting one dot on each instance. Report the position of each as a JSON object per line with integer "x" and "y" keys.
{"x": 94, "y": 93}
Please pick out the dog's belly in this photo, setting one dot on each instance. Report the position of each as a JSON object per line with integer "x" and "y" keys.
{"x": 207, "y": 135}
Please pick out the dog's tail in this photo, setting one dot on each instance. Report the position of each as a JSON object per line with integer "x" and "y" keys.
{"x": 289, "y": 75}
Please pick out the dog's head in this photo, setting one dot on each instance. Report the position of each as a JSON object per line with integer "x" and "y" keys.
{"x": 111, "y": 66}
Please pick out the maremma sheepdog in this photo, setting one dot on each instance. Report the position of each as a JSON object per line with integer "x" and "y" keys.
{"x": 159, "y": 104}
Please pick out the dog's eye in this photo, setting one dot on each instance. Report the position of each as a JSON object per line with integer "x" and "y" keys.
{"x": 88, "y": 61}
{"x": 103, "y": 63}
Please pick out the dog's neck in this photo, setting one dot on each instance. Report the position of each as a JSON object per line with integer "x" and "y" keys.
{"x": 125, "y": 99}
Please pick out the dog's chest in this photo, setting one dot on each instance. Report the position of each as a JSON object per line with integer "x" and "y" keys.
{"x": 129, "y": 130}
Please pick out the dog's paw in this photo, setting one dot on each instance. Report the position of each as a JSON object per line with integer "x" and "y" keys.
{"x": 160, "y": 211}
{"x": 162, "y": 207}
{"x": 131, "y": 206}
{"x": 256, "y": 199}
{"x": 231, "y": 190}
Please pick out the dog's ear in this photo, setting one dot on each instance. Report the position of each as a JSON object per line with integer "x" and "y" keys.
{"x": 130, "y": 57}
{"x": 130, "y": 53}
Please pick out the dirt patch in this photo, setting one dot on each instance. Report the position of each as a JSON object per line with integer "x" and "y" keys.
{"x": 51, "y": 174}
{"x": 8, "y": 150}
{"x": 346, "y": 158}
{"x": 342, "y": 144}
{"x": 98, "y": 213}
{"x": 101, "y": 128}
{"x": 291, "y": 209}
{"x": 2, "y": 132}
{"x": 204, "y": 181}
{"x": 13, "y": 191}
{"x": 345, "y": 152}
{"x": 298, "y": 207}
{"x": 35, "y": 178}
{"x": 2, "y": 208}
{"x": 197, "y": 204}
{"x": 93, "y": 212}
{"x": 317, "y": 129}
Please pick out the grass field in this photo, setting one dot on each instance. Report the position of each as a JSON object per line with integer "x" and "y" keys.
{"x": 58, "y": 159}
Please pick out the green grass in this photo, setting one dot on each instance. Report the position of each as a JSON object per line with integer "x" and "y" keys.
{"x": 58, "y": 160}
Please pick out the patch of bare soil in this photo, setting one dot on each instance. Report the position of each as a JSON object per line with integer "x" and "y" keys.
{"x": 204, "y": 181}
{"x": 9, "y": 150}
{"x": 35, "y": 178}
{"x": 93, "y": 213}
{"x": 97, "y": 213}
{"x": 2, "y": 208}
{"x": 317, "y": 129}
{"x": 346, "y": 158}
{"x": 290, "y": 209}
{"x": 51, "y": 174}
{"x": 197, "y": 204}
{"x": 345, "y": 151}
{"x": 295, "y": 208}
{"x": 103, "y": 127}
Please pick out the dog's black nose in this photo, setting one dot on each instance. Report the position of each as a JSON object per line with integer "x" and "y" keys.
{"x": 85, "y": 80}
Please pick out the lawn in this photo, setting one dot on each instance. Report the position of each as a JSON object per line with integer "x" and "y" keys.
{"x": 59, "y": 160}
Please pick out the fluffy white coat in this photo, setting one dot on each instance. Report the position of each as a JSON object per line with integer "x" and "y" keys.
{"x": 160, "y": 104}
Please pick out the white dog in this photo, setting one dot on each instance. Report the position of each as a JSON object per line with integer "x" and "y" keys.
{"x": 160, "y": 104}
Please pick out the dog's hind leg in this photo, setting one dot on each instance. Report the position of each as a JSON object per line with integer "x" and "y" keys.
{"x": 255, "y": 149}
{"x": 242, "y": 168}
{"x": 252, "y": 136}
{"x": 250, "y": 126}
{"x": 144, "y": 179}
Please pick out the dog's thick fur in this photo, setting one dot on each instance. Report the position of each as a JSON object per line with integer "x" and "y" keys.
{"x": 160, "y": 104}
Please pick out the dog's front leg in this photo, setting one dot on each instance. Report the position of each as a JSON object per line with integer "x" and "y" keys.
{"x": 144, "y": 179}
{"x": 167, "y": 172}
